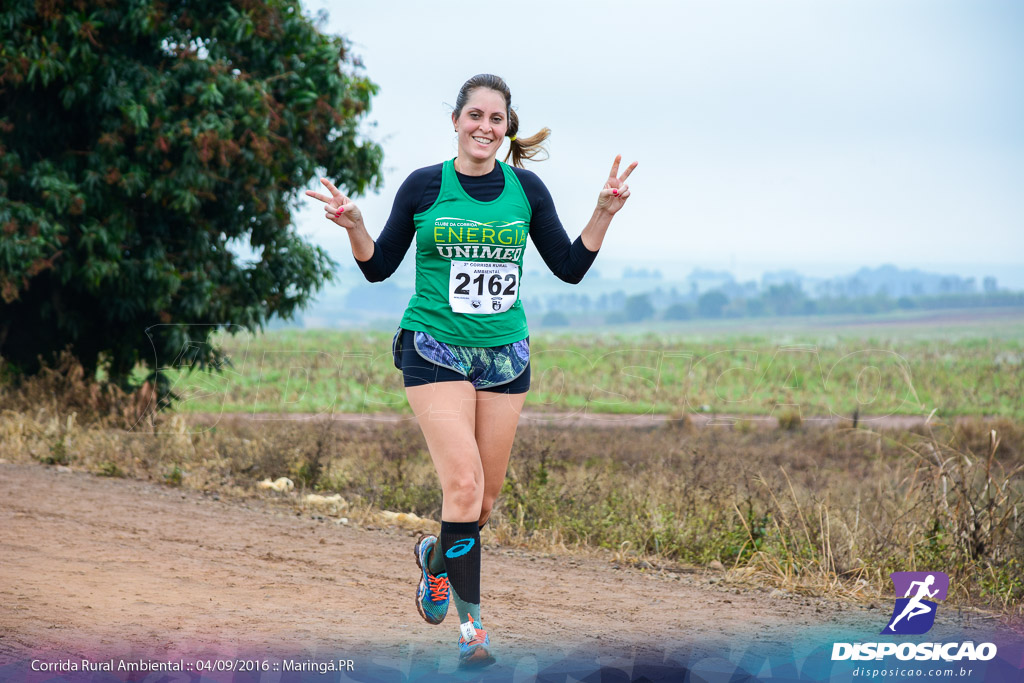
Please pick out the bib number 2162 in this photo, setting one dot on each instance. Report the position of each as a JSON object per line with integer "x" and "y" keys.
{"x": 482, "y": 287}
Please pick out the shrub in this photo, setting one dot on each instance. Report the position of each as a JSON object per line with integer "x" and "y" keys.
{"x": 790, "y": 421}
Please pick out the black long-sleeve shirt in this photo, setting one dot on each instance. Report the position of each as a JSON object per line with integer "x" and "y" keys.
{"x": 569, "y": 261}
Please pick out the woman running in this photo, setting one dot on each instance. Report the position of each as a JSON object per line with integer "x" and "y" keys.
{"x": 463, "y": 345}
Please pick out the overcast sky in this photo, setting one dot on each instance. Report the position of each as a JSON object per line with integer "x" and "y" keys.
{"x": 807, "y": 134}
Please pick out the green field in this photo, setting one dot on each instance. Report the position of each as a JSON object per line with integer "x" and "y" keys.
{"x": 956, "y": 363}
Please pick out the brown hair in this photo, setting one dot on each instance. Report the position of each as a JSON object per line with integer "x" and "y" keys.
{"x": 520, "y": 148}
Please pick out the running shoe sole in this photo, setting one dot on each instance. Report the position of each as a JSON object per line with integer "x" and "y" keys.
{"x": 476, "y": 653}
{"x": 477, "y": 658}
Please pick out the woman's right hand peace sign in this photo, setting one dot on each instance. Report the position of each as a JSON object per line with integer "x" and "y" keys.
{"x": 338, "y": 208}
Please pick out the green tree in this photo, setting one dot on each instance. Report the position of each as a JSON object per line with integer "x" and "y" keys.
{"x": 138, "y": 141}
{"x": 638, "y": 307}
{"x": 710, "y": 304}
{"x": 678, "y": 311}
{"x": 755, "y": 307}
{"x": 785, "y": 299}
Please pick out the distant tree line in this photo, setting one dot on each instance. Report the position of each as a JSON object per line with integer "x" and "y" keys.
{"x": 785, "y": 300}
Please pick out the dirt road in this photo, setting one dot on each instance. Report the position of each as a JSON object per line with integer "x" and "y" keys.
{"x": 583, "y": 418}
{"x": 96, "y": 566}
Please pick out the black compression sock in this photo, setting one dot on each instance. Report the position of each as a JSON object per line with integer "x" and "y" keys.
{"x": 460, "y": 542}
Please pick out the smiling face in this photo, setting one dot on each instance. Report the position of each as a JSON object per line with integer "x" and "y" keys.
{"x": 481, "y": 126}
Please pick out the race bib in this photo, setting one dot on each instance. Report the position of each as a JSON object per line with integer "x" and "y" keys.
{"x": 482, "y": 287}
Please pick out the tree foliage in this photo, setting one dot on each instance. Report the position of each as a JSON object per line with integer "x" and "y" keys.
{"x": 555, "y": 319}
{"x": 678, "y": 311}
{"x": 710, "y": 304}
{"x": 140, "y": 139}
{"x": 638, "y": 308}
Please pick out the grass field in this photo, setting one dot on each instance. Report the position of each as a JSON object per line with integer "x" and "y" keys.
{"x": 956, "y": 363}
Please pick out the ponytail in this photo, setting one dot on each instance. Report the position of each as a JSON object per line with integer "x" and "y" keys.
{"x": 520, "y": 148}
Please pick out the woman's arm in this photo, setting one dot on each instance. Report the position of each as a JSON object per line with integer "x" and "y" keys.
{"x": 378, "y": 259}
{"x": 570, "y": 261}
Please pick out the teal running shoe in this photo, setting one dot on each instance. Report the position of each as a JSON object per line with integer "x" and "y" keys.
{"x": 474, "y": 646}
{"x": 432, "y": 594}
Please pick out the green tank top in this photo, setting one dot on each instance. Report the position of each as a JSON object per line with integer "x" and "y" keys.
{"x": 469, "y": 263}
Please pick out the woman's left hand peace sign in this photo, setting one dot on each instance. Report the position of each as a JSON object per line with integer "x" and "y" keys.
{"x": 339, "y": 208}
{"x": 615, "y": 193}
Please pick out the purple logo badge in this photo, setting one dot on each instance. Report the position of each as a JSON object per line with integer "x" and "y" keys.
{"x": 914, "y": 612}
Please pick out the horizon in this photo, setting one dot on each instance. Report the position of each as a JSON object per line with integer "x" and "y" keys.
{"x": 333, "y": 308}
{"x": 1009, "y": 276}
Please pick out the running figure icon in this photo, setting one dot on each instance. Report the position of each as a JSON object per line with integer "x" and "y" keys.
{"x": 915, "y": 607}
{"x": 920, "y": 590}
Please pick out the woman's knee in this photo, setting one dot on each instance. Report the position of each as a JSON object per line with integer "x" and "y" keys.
{"x": 464, "y": 491}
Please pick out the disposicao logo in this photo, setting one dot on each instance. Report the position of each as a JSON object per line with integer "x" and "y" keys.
{"x": 914, "y": 614}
